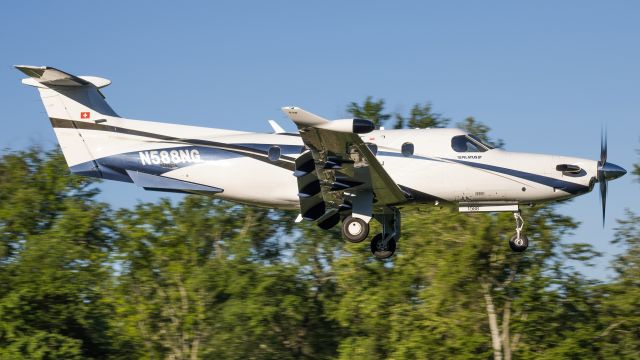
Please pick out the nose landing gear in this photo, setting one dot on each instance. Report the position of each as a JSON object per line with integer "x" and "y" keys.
{"x": 383, "y": 245}
{"x": 518, "y": 242}
{"x": 383, "y": 248}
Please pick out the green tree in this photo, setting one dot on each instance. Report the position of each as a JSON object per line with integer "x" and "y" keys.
{"x": 420, "y": 117}
{"x": 621, "y": 315}
{"x": 55, "y": 242}
{"x": 370, "y": 110}
{"x": 636, "y": 168}
{"x": 449, "y": 291}
{"x": 622, "y": 303}
{"x": 206, "y": 278}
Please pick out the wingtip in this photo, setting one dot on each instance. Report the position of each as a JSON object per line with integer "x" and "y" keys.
{"x": 30, "y": 67}
{"x": 31, "y": 71}
{"x": 290, "y": 111}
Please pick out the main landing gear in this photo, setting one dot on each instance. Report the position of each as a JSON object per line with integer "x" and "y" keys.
{"x": 354, "y": 229}
{"x": 519, "y": 242}
{"x": 383, "y": 245}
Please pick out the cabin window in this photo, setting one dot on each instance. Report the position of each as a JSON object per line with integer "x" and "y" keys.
{"x": 373, "y": 147}
{"x": 407, "y": 149}
{"x": 464, "y": 143}
{"x": 274, "y": 153}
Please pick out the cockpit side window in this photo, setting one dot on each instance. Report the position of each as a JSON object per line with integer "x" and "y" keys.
{"x": 464, "y": 143}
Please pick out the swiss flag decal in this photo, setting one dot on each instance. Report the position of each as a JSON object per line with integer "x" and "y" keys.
{"x": 85, "y": 115}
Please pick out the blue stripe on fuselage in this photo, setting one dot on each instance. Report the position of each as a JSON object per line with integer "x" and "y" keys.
{"x": 151, "y": 161}
{"x": 567, "y": 186}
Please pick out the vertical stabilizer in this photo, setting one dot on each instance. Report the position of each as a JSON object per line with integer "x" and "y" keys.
{"x": 69, "y": 99}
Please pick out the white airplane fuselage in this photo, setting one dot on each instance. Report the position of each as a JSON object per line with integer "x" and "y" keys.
{"x": 238, "y": 163}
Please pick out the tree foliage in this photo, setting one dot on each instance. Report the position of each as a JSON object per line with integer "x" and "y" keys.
{"x": 636, "y": 168}
{"x": 420, "y": 117}
{"x": 56, "y": 241}
{"x": 370, "y": 110}
{"x": 622, "y": 302}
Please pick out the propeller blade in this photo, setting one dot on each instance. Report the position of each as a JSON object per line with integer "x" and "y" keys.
{"x": 603, "y": 197}
{"x": 606, "y": 171}
{"x": 602, "y": 176}
{"x": 603, "y": 146}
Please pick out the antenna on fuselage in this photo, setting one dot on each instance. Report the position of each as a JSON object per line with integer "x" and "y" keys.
{"x": 277, "y": 129}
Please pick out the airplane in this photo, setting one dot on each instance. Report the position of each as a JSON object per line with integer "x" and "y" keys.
{"x": 333, "y": 171}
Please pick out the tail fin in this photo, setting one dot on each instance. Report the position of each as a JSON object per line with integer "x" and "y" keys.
{"x": 68, "y": 97}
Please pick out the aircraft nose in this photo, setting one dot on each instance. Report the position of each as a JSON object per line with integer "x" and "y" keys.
{"x": 612, "y": 171}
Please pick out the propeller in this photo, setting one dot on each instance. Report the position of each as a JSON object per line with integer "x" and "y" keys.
{"x": 606, "y": 171}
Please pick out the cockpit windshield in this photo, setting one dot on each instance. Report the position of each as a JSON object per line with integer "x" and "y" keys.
{"x": 477, "y": 139}
{"x": 468, "y": 143}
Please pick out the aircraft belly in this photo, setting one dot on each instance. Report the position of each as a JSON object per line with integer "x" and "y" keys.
{"x": 461, "y": 183}
{"x": 245, "y": 180}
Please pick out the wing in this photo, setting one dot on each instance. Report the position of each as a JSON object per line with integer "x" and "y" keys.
{"x": 339, "y": 167}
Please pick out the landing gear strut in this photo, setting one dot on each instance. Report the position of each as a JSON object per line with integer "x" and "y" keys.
{"x": 518, "y": 242}
{"x": 384, "y": 245}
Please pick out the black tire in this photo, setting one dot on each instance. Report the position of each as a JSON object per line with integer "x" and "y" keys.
{"x": 354, "y": 229}
{"x": 378, "y": 251}
{"x": 519, "y": 246}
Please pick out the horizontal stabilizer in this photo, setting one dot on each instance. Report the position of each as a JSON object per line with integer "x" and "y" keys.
{"x": 162, "y": 183}
{"x": 50, "y": 76}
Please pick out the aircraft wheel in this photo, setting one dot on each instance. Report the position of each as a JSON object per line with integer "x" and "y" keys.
{"x": 380, "y": 250}
{"x": 354, "y": 229}
{"x": 519, "y": 244}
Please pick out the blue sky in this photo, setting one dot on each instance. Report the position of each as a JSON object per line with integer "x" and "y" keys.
{"x": 543, "y": 75}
